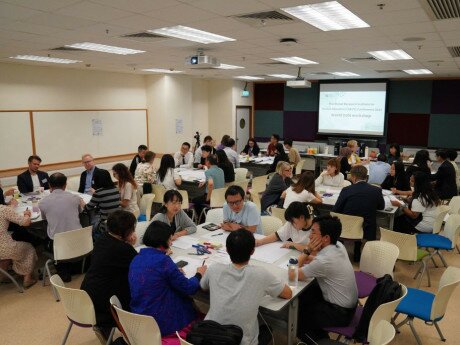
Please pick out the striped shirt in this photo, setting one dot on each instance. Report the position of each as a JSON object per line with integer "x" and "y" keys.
{"x": 105, "y": 200}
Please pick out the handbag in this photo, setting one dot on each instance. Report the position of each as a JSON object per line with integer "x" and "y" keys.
{"x": 210, "y": 332}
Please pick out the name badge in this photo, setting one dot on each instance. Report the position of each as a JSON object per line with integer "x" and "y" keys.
{"x": 44, "y": 180}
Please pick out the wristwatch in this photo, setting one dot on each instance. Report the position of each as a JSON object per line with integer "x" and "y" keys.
{"x": 306, "y": 251}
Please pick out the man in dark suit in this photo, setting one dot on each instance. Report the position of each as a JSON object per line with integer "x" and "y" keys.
{"x": 88, "y": 176}
{"x": 361, "y": 199}
{"x": 32, "y": 178}
{"x": 139, "y": 158}
{"x": 445, "y": 178}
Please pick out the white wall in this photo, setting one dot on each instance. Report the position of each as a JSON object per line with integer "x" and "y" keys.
{"x": 221, "y": 109}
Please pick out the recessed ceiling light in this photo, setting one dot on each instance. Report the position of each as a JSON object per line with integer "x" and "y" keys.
{"x": 191, "y": 34}
{"x": 161, "y": 70}
{"x": 225, "y": 66}
{"x": 327, "y": 16}
{"x": 43, "y": 59}
{"x": 248, "y": 77}
{"x": 418, "y": 71}
{"x": 282, "y": 76}
{"x": 345, "y": 74}
{"x": 104, "y": 48}
{"x": 294, "y": 60}
{"x": 397, "y": 54}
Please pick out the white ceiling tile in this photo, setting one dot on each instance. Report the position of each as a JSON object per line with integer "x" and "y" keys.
{"x": 447, "y": 24}
{"x": 138, "y": 6}
{"x": 29, "y": 28}
{"x": 15, "y": 12}
{"x": 42, "y": 5}
{"x": 59, "y": 21}
{"x": 229, "y": 8}
{"x": 181, "y": 14}
{"x": 142, "y": 22}
{"x": 92, "y": 11}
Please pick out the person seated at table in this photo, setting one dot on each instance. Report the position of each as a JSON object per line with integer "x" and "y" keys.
{"x": 445, "y": 178}
{"x": 303, "y": 190}
{"x": 205, "y": 151}
{"x": 61, "y": 209}
{"x": 379, "y": 171}
{"x": 139, "y": 158}
{"x": 7, "y": 193}
{"x": 172, "y": 214}
{"x": 240, "y": 214}
{"x": 397, "y": 181}
{"x": 353, "y": 159}
{"x": 108, "y": 272}
{"x": 344, "y": 158}
{"x": 232, "y": 155}
{"x": 421, "y": 213}
{"x": 226, "y": 166}
{"x": 394, "y": 153}
{"x": 159, "y": 289}
{"x": 200, "y": 156}
{"x": 280, "y": 156}
{"x": 237, "y": 289}
{"x": 22, "y": 254}
{"x": 293, "y": 153}
{"x": 88, "y": 177}
{"x": 251, "y": 149}
{"x": 104, "y": 201}
{"x": 271, "y": 149}
{"x": 422, "y": 162}
{"x": 184, "y": 158}
{"x": 145, "y": 173}
{"x": 127, "y": 187}
{"x": 223, "y": 141}
{"x": 331, "y": 176}
{"x": 330, "y": 301}
{"x": 296, "y": 231}
{"x": 166, "y": 176}
{"x": 363, "y": 200}
{"x": 32, "y": 179}
{"x": 451, "y": 157}
{"x": 279, "y": 182}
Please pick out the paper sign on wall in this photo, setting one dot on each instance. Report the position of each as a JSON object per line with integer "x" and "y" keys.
{"x": 179, "y": 126}
{"x": 97, "y": 127}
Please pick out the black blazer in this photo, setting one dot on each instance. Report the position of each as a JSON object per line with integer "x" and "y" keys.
{"x": 280, "y": 157}
{"x": 401, "y": 183}
{"x": 345, "y": 167}
{"x": 362, "y": 199}
{"x": 136, "y": 160}
{"x": 81, "y": 188}
{"x": 446, "y": 180}
{"x": 25, "y": 184}
{"x": 255, "y": 150}
{"x": 2, "y": 197}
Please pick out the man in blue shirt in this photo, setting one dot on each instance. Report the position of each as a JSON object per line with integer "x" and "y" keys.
{"x": 379, "y": 170}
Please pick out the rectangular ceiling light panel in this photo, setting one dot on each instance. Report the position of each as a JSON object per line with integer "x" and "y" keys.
{"x": 191, "y": 34}
{"x": 43, "y": 59}
{"x": 104, "y": 48}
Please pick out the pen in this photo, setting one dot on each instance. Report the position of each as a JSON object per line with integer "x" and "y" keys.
{"x": 203, "y": 262}
{"x": 221, "y": 233}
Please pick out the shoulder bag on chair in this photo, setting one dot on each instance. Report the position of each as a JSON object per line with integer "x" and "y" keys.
{"x": 209, "y": 332}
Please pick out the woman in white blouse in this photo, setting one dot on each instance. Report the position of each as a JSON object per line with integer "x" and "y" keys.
{"x": 145, "y": 173}
{"x": 303, "y": 191}
{"x": 331, "y": 176}
{"x": 166, "y": 175}
{"x": 128, "y": 188}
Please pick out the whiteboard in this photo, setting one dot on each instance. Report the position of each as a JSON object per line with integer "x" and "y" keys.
{"x": 63, "y": 136}
{"x": 15, "y": 139}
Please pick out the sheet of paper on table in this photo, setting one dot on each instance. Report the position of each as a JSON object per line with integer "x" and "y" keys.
{"x": 193, "y": 264}
{"x": 270, "y": 253}
{"x": 192, "y": 175}
{"x": 184, "y": 242}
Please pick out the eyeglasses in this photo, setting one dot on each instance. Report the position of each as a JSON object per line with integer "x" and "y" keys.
{"x": 235, "y": 203}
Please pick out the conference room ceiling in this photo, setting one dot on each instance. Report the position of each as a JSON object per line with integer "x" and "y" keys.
{"x": 37, "y": 27}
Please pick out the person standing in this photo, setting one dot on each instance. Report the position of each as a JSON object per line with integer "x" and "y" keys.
{"x": 32, "y": 179}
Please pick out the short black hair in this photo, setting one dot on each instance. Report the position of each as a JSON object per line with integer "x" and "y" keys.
{"x": 230, "y": 142}
{"x": 103, "y": 179}
{"x": 157, "y": 235}
{"x": 207, "y": 148}
{"x": 234, "y": 190}
{"x": 296, "y": 209}
{"x": 330, "y": 226}
{"x": 31, "y": 158}
{"x": 382, "y": 157}
{"x": 288, "y": 142}
{"x": 276, "y": 136}
{"x": 452, "y": 154}
{"x": 142, "y": 148}
{"x": 57, "y": 180}
{"x": 121, "y": 223}
{"x": 240, "y": 245}
{"x": 212, "y": 159}
{"x": 186, "y": 144}
{"x": 441, "y": 153}
{"x": 207, "y": 138}
{"x": 172, "y": 194}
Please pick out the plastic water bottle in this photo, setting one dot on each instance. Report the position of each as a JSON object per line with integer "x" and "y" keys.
{"x": 293, "y": 272}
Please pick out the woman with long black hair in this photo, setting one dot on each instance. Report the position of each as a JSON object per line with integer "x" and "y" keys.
{"x": 166, "y": 175}
{"x": 397, "y": 181}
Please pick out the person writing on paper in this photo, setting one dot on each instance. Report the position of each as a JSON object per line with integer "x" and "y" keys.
{"x": 330, "y": 301}
{"x": 127, "y": 187}
{"x": 184, "y": 158}
{"x": 32, "y": 179}
{"x": 420, "y": 215}
{"x": 240, "y": 214}
{"x": 295, "y": 233}
{"x": 22, "y": 254}
{"x": 166, "y": 176}
{"x": 397, "y": 181}
{"x": 331, "y": 176}
{"x": 303, "y": 190}
{"x": 159, "y": 289}
{"x": 251, "y": 149}
{"x": 172, "y": 214}
{"x": 237, "y": 289}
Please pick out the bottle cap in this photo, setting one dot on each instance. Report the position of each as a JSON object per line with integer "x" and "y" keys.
{"x": 293, "y": 261}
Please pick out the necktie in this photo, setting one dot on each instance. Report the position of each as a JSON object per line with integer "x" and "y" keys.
{"x": 183, "y": 159}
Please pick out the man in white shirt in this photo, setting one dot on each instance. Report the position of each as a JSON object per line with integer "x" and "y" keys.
{"x": 184, "y": 158}
{"x": 232, "y": 155}
{"x": 331, "y": 300}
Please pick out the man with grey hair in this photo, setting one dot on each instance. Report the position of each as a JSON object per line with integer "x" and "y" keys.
{"x": 88, "y": 176}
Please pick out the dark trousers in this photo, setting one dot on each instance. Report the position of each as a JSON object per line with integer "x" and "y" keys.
{"x": 21, "y": 234}
{"x": 406, "y": 225}
{"x": 315, "y": 314}
{"x": 199, "y": 203}
{"x": 265, "y": 336}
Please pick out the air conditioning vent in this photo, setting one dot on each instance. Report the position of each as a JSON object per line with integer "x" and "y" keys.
{"x": 359, "y": 59}
{"x": 262, "y": 19}
{"x": 319, "y": 73}
{"x": 445, "y": 9}
{"x": 145, "y": 37}
{"x": 454, "y": 51}
{"x": 272, "y": 64}
{"x": 68, "y": 49}
{"x": 389, "y": 71}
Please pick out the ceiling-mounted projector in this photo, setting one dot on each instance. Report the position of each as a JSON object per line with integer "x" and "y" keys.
{"x": 202, "y": 61}
{"x": 298, "y": 84}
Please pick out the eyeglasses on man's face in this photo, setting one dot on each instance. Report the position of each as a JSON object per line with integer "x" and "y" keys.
{"x": 235, "y": 203}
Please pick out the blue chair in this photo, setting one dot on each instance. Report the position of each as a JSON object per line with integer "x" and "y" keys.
{"x": 426, "y": 306}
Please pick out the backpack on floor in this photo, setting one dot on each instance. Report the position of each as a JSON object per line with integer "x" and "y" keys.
{"x": 385, "y": 291}
{"x": 209, "y": 332}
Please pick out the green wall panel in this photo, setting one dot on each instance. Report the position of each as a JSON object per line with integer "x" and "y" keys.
{"x": 268, "y": 122}
{"x": 410, "y": 96}
{"x": 444, "y": 131}
{"x": 301, "y": 99}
